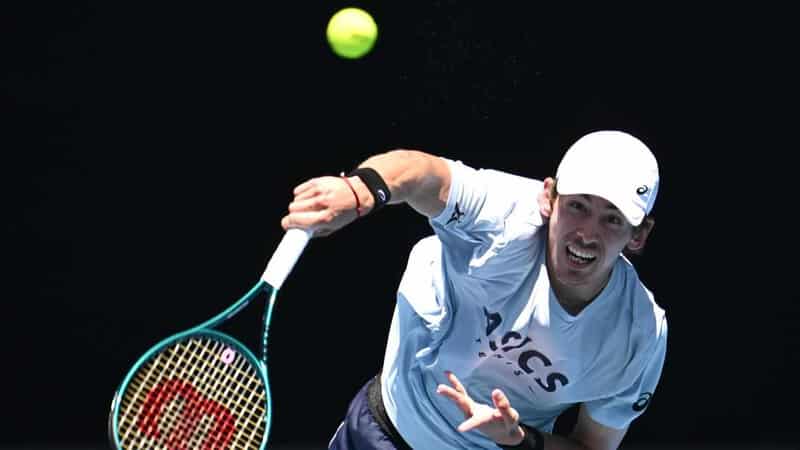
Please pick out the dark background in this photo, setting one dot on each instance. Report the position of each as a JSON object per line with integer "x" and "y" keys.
{"x": 150, "y": 149}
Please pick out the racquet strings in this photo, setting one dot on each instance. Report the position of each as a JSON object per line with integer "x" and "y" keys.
{"x": 197, "y": 393}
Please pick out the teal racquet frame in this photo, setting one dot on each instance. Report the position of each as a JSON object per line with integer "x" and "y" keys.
{"x": 278, "y": 268}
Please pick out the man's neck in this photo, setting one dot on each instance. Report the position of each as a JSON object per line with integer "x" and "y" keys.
{"x": 573, "y": 299}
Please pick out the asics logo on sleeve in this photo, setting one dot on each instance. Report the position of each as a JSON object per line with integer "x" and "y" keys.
{"x": 641, "y": 190}
{"x": 456, "y": 216}
{"x": 643, "y": 401}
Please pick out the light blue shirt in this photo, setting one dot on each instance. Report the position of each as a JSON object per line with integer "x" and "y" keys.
{"x": 475, "y": 299}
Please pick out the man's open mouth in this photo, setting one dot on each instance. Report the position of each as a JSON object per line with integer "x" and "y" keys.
{"x": 580, "y": 257}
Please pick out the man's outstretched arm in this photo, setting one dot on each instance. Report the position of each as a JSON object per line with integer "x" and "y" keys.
{"x": 329, "y": 203}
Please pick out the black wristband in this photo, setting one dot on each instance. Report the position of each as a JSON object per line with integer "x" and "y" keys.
{"x": 533, "y": 440}
{"x": 377, "y": 187}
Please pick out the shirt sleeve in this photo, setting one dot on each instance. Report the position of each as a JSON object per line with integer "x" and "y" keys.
{"x": 486, "y": 228}
{"x": 620, "y": 410}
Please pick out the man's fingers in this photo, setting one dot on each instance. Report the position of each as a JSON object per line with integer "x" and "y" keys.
{"x": 474, "y": 422}
{"x": 306, "y": 194}
{"x": 303, "y": 187}
{"x": 457, "y": 393}
{"x": 456, "y": 384}
{"x": 458, "y": 398}
{"x": 308, "y": 204}
{"x": 510, "y": 415}
{"x": 485, "y": 417}
{"x": 303, "y": 220}
{"x": 501, "y": 402}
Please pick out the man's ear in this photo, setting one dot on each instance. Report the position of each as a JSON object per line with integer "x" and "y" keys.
{"x": 640, "y": 234}
{"x": 545, "y": 198}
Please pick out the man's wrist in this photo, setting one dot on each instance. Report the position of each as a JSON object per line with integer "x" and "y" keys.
{"x": 362, "y": 192}
{"x": 532, "y": 440}
{"x": 381, "y": 195}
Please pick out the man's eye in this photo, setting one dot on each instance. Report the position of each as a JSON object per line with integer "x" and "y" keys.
{"x": 614, "y": 220}
{"x": 576, "y": 205}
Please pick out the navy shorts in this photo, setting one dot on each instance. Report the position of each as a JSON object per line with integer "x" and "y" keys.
{"x": 360, "y": 430}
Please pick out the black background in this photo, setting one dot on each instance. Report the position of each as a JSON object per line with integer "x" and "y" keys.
{"x": 150, "y": 150}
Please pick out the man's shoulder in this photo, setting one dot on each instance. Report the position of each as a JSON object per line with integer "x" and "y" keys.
{"x": 646, "y": 313}
{"x": 510, "y": 179}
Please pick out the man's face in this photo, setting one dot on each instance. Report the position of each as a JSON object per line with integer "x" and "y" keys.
{"x": 586, "y": 235}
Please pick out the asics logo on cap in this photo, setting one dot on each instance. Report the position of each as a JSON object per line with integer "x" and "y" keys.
{"x": 382, "y": 195}
{"x": 641, "y": 190}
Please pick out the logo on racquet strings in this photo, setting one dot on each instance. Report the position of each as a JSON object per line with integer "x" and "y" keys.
{"x": 193, "y": 409}
{"x": 227, "y": 356}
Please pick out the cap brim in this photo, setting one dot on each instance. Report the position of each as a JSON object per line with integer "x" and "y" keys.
{"x": 633, "y": 214}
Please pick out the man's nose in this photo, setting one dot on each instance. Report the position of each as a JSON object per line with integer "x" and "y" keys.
{"x": 588, "y": 234}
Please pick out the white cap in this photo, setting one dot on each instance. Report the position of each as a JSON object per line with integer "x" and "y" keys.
{"x": 615, "y": 166}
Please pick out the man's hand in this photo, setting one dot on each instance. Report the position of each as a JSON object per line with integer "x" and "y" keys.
{"x": 499, "y": 422}
{"x": 323, "y": 204}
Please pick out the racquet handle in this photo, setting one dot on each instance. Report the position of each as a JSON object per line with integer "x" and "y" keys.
{"x": 282, "y": 261}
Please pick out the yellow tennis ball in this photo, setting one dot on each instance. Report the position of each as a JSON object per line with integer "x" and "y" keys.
{"x": 351, "y": 33}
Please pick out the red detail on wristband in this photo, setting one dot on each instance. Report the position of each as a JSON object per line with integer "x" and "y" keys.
{"x": 358, "y": 203}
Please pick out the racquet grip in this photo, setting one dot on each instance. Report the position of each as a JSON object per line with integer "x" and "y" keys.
{"x": 282, "y": 261}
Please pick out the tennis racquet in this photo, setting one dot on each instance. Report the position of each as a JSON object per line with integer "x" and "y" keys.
{"x": 201, "y": 388}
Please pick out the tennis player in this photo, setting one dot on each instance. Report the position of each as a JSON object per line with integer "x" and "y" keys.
{"x": 518, "y": 306}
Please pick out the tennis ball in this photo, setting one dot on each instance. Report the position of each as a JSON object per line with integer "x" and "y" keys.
{"x": 351, "y": 33}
